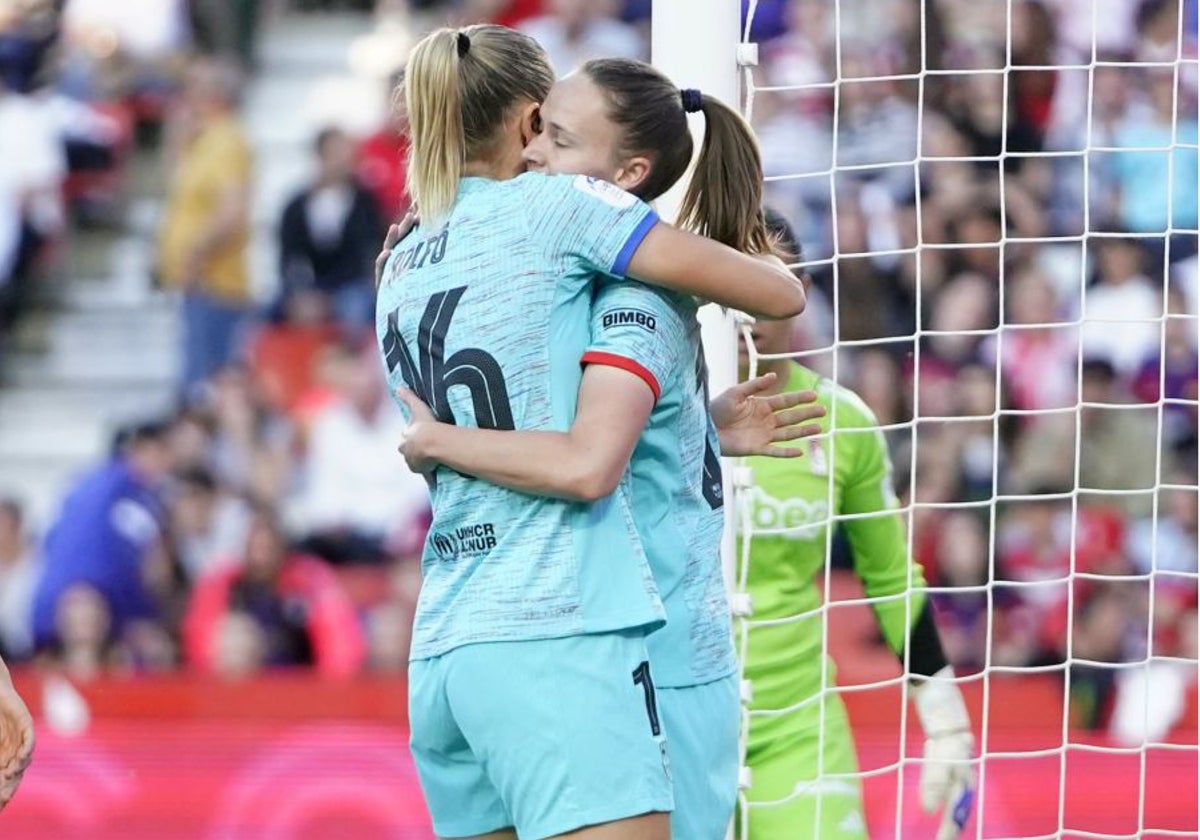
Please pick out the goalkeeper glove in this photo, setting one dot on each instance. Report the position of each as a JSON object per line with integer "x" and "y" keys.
{"x": 947, "y": 776}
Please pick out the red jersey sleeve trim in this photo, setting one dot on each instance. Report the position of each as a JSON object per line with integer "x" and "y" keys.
{"x": 597, "y": 357}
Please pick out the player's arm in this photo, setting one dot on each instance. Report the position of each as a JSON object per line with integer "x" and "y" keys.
{"x": 879, "y": 546}
{"x": 16, "y": 737}
{"x": 684, "y": 262}
{"x": 613, "y": 232}
{"x": 636, "y": 338}
{"x": 583, "y": 464}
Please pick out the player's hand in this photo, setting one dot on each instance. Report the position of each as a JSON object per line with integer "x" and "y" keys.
{"x": 421, "y": 425}
{"x": 748, "y": 423}
{"x": 947, "y": 774}
{"x": 16, "y": 740}
{"x": 395, "y": 233}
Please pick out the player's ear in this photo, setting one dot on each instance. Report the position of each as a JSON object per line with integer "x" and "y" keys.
{"x": 529, "y": 121}
{"x": 633, "y": 173}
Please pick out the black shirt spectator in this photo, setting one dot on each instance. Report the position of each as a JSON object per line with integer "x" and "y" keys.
{"x": 330, "y": 235}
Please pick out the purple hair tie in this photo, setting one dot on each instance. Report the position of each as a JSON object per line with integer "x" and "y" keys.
{"x": 693, "y": 100}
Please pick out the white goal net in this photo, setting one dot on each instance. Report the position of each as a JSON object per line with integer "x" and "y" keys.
{"x": 997, "y": 204}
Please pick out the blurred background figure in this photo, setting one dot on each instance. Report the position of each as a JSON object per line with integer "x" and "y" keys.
{"x": 575, "y": 31}
{"x": 330, "y": 234}
{"x": 93, "y": 599}
{"x": 205, "y": 231}
{"x": 33, "y": 169}
{"x": 271, "y": 607}
{"x": 208, "y": 523}
{"x": 355, "y": 504}
{"x": 381, "y": 158}
{"x": 18, "y": 582}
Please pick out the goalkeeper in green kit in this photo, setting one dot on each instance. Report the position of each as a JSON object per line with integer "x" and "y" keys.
{"x": 802, "y": 760}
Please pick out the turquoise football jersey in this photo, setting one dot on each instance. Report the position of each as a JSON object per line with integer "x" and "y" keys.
{"x": 675, "y": 475}
{"x": 486, "y": 320}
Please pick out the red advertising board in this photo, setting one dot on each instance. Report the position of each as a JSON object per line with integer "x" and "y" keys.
{"x": 294, "y": 758}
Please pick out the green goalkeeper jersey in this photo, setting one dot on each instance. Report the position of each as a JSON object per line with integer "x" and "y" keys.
{"x": 792, "y": 504}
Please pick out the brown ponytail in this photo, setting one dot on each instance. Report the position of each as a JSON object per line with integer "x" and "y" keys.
{"x": 724, "y": 199}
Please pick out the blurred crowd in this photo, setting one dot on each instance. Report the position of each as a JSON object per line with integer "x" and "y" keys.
{"x": 263, "y": 524}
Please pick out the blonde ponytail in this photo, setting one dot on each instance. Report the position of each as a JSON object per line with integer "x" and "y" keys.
{"x": 437, "y": 150}
{"x": 459, "y": 88}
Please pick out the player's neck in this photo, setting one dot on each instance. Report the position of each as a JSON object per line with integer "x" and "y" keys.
{"x": 507, "y": 166}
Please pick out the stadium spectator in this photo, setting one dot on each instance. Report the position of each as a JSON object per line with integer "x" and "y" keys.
{"x": 575, "y": 31}
{"x": 18, "y": 581}
{"x": 382, "y": 157}
{"x": 146, "y": 39}
{"x": 1156, "y": 179}
{"x": 1037, "y": 360}
{"x": 107, "y": 532}
{"x": 32, "y": 171}
{"x": 1178, "y": 382}
{"x": 1034, "y": 550}
{"x": 208, "y": 523}
{"x": 272, "y": 607}
{"x": 960, "y": 560}
{"x": 205, "y": 230}
{"x": 355, "y": 502}
{"x": 84, "y": 643}
{"x": 227, "y": 28}
{"x": 877, "y": 127}
{"x": 978, "y": 397}
{"x": 1105, "y": 628}
{"x": 330, "y": 233}
{"x": 1168, "y": 542}
{"x": 1118, "y": 444}
{"x": 251, "y": 450}
{"x": 285, "y": 358}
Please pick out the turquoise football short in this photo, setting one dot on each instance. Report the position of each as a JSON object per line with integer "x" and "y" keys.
{"x": 701, "y": 723}
{"x": 545, "y": 736}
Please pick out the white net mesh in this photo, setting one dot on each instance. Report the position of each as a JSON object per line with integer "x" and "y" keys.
{"x": 997, "y": 202}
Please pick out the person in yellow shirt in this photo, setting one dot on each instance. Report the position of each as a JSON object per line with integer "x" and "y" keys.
{"x": 206, "y": 225}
